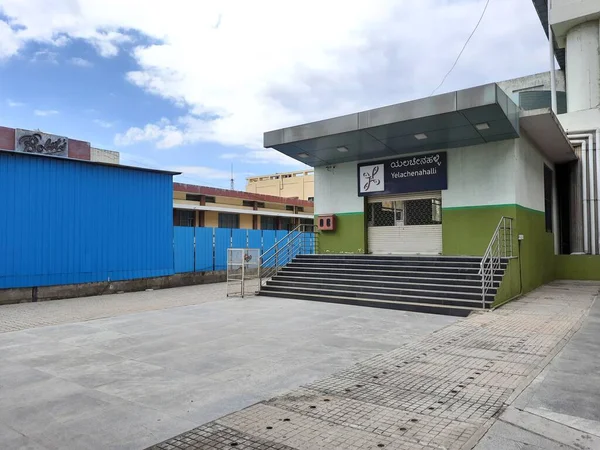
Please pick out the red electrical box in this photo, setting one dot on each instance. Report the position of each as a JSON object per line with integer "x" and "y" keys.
{"x": 326, "y": 223}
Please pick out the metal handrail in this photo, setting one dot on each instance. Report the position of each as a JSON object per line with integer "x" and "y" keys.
{"x": 500, "y": 246}
{"x": 278, "y": 242}
{"x": 281, "y": 240}
{"x": 293, "y": 246}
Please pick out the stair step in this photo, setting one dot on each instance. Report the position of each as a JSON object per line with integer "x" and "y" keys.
{"x": 385, "y": 281}
{"x": 376, "y": 275}
{"x": 378, "y": 263}
{"x": 411, "y": 271}
{"x": 385, "y": 268}
{"x": 390, "y": 267}
{"x": 387, "y": 287}
{"x": 414, "y": 297}
{"x": 354, "y": 257}
{"x": 405, "y": 306}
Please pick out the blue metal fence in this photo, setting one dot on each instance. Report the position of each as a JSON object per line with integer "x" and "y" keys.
{"x": 202, "y": 249}
{"x": 66, "y": 221}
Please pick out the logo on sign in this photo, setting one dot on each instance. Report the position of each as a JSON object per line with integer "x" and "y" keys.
{"x": 402, "y": 175}
{"x": 372, "y": 178}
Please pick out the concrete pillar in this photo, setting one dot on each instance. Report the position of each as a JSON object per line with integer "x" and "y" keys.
{"x": 583, "y": 66}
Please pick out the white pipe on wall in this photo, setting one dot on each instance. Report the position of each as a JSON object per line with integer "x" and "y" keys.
{"x": 583, "y": 143}
{"x": 597, "y": 199}
{"x": 552, "y": 70}
{"x": 591, "y": 171}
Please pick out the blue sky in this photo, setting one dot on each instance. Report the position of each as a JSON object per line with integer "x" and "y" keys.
{"x": 74, "y": 92}
{"x": 192, "y": 86}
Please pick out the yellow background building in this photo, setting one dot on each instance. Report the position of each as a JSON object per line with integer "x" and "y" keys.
{"x": 203, "y": 206}
{"x": 299, "y": 184}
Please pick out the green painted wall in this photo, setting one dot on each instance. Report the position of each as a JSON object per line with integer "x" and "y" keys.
{"x": 350, "y": 235}
{"x": 511, "y": 283}
{"x": 467, "y": 231}
{"x": 536, "y": 249}
{"x": 577, "y": 267}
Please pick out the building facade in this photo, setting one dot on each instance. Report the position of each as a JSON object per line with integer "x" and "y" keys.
{"x": 203, "y": 206}
{"x": 299, "y": 184}
{"x": 438, "y": 175}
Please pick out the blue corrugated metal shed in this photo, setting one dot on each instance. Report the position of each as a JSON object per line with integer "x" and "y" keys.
{"x": 66, "y": 221}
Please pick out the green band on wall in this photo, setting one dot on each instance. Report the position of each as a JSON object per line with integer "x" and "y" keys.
{"x": 507, "y": 205}
{"x": 344, "y": 214}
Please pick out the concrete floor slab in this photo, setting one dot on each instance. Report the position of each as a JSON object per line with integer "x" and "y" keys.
{"x": 442, "y": 391}
{"x": 136, "y": 378}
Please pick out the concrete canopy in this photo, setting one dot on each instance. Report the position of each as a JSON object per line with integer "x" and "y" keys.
{"x": 543, "y": 127}
{"x": 457, "y": 119}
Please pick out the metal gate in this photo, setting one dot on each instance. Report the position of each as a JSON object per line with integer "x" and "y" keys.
{"x": 243, "y": 271}
{"x": 410, "y": 223}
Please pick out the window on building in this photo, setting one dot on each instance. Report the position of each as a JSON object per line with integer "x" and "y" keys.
{"x": 268, "y": 223}
{"x": 548, "y": 187}
{"x": 423, "y": 212}
{"x": 184, "y": 218}
{"x": 287, "y": 223}
{"x": 193, "y": 197}
{"x": 229, "y": 220}
{"x": 311, "y": 199}
{"x": 260, "y": 204}
{"x": 248, "y": 203}
{"x": 289, "y": 207}
{"x": 307, "y": 221}
{"x": 209, "y": 200}
{"x": 390, "y": 213}
{"x": 300, "y": 209}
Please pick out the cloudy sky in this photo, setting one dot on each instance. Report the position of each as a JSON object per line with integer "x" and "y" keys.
{"x": 193, "y": 84}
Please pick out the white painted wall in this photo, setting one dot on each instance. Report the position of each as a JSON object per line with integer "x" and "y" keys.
{"x": 498, "y": 173}
{"x": 529, "y": 179}
{"x": 336, "y": 190}
{"x": 583, "y": 66}
{"x": 536, "y": 82}
{"x": 580, "y": 120}
{"x": 481, "y": 175}
{"x": 529, "y": 176}
{"x": 105, "y": 156}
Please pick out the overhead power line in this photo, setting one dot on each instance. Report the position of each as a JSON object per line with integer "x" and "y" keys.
{"x": 463, "y": 49}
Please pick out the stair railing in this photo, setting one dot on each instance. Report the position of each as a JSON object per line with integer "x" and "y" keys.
{"x": 302, "y": 240}
{"x": 501, "y": 246}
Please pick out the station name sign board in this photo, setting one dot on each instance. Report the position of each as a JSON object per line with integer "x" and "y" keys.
{"x": 403, "y": 175}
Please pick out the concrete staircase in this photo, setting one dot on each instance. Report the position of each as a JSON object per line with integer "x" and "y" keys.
{"x": 429, "y": 284}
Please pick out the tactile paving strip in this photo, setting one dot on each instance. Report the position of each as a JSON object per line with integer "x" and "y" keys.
{"x": 437, "y": 431}
{"x": 452, "y": 407}
{"x": 213, "y": 436}
{"x": 306, "y": 433}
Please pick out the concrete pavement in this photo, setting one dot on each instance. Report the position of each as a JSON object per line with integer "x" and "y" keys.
{"x": 560, "y": 409}
{"x": 444, "y": 391}
{"x": 133, "y": 379}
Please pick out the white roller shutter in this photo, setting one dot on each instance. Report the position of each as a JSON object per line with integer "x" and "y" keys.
{"x": 405, "y": 239}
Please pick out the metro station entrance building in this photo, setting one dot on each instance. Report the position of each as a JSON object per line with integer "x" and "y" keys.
{"x": 435, "y": 176}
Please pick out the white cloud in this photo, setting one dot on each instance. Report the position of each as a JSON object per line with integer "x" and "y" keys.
{"x": 45, "y": 112}
{"x": 103, "y": 123}
{"x": 45, "y": 56}
{"x": 14, "y": 104}
{"x": 80, "y": 62}
{"x": 163, "y": 133}
{"x": 263, "y": 156}
{"x": 202, "y": 172}
{"x": 242, "y": 68}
